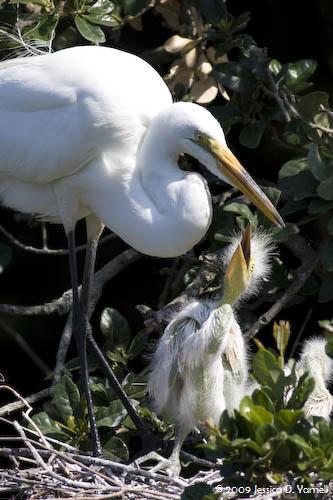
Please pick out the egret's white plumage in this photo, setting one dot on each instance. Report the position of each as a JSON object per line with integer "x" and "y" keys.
{"x": 94, "y": 130}
{"x": 314, "y": 360}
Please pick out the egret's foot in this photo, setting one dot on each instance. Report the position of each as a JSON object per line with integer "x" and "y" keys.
{"x": 170, "y": 465}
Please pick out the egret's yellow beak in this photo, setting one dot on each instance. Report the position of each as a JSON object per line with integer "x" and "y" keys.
{"x": 238, "y": 272}
{"x": 238, "y": 177}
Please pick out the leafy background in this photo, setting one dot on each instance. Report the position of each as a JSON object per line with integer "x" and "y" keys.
{"x": 264, "y": 69}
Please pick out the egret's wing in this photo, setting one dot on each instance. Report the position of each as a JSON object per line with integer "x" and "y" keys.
{"x": 59, "y": 111}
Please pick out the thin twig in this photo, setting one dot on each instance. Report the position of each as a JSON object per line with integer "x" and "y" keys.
{"x": 17, "y": 405}
{"x": 46, "y": 250}
{"x": 62, "y": 350}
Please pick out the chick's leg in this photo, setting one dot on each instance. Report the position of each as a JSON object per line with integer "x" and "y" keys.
{"x": 172, "y": 464}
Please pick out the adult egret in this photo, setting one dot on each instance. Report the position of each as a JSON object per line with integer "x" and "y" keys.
{"x": 92, "y": 132}
{"x": 200, "y": 367}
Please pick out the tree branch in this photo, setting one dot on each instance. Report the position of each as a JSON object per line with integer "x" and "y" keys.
{"x": 63, "y": 304}
{"x": 46, "y": 250}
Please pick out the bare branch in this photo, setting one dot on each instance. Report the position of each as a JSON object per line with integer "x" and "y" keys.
{"x": 17, "y": 405}
{"x": 46, "y": 250}
{"x": 63, "y": 304}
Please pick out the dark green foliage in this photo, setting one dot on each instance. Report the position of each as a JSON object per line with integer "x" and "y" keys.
{"x": 269, "y": 439}
{"x": 65, "y": 416}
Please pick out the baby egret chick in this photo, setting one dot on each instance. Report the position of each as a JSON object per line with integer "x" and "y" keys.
{"x": 314, "y": 360}
{"x": 200, "y": 365}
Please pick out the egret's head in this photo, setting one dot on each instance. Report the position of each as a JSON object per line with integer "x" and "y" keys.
{"x": 202, "y": 137}
{"x": 248, "y": 262}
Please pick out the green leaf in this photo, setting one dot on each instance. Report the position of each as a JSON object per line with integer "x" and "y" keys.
{"x": 110, "y": 416}
{"x": 251, "y": 135}
{"x": 281, "y": 334}
{"x": 45, "y": 28}
{"x": 286, "y": 420}
{"x": 235, "y": 76}
{"x": 264, "y": 433}
{"x": 258, "y": 415}
{"x": 104, "y": 20}
{"x": 5, "y": 256}
{"x": 66, "y": 398}
{"x": 117, "y": 357}
{"x": 49, "y": 427}
{"x": 240, "y": 209}
{"x": 302, "y": 391}
{"x": 298, "y": 72}
{"x": 275, "y": 66}
{"x": 115, "y": 328}
{"x": 325, "y": 189}
{"x": 261, "y": 398}
{"x": 266, "y": 369}
{"x": 309, "y": 104}
{"x": 326, "y": 255}
{"x": 296, "y": 179}
{"x": 89, "y": 31}
{"x": 115, "y": 449}
{"x": 317, "y": 165}
{"x": 101, "y": 7}
{"x": 138, "y": 345}
{"x": 293, "y": 167}
{"x": 300, "y": 442}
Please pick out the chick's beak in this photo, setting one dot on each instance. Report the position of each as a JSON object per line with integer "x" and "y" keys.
{"x": 236, "y": 277}
{"x": 238, "y": 177}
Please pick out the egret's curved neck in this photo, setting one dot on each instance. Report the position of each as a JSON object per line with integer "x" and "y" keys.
{"x": 149, "y": 202}
{"x": 157, "y": 166}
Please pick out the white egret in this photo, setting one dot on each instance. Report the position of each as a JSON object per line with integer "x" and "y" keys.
{"x": 314, "y": 360}
{"x": 200, "y": 366}
{"x": 92, "y": 132}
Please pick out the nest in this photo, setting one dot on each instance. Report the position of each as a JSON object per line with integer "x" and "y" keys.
{"x": 45, "y": 468}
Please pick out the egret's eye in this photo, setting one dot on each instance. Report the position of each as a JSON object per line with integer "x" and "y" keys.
{"x": 199, "y": 137}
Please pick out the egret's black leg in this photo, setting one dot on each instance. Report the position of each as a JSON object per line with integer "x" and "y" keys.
{"x": 94, "y": 230}
{"x": 81, "y": 341}
{"x": 149, "y": 440}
